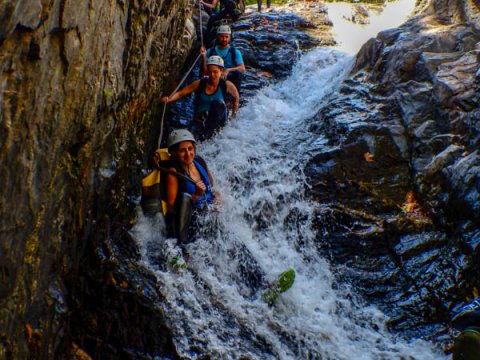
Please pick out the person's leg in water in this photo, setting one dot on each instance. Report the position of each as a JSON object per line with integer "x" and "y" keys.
{"x": 197, "y": 125}
{"x": 205, "y": 124}
{"x": 217, "y": 118}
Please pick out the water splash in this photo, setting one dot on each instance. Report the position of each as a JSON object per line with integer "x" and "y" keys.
{"x": 264, "y": 227}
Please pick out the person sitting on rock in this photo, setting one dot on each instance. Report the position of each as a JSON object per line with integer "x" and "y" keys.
{"x": 211, "y": 92}
{"x": 232, "y": 57}
{"x": 209, "y": 6}
{"x": 228, "y": 8}
{"x": 184, "y": 198}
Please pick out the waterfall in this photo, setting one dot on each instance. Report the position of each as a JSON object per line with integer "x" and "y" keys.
{"x": 263, "y": 227}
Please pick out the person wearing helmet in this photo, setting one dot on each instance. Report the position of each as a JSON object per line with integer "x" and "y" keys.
{"x": 232, "y": 58}
{"x": 211, "y": 92}
{"x": 182, "y": 194}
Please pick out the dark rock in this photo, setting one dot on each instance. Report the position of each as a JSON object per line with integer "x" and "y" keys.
{"x": 77, "y": 96}
{"x": 402, "y": 156}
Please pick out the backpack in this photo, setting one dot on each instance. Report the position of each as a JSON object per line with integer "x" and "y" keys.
{"x": 231, "y": 50}
{"x": 154, "y": 190}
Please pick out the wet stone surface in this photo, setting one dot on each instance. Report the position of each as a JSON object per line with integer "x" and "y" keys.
{"x": 399, "y": 178}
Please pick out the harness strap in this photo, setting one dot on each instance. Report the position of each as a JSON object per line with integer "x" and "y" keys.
{"x": 231, "y": 50}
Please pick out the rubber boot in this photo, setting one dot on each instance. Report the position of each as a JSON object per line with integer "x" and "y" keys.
{"x": 183, "y": 215}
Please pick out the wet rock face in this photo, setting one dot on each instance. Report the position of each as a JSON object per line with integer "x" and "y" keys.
{"x": 271, "y": 43}
{"x": 77, "y": 81}
{"x": 401, "y": 183}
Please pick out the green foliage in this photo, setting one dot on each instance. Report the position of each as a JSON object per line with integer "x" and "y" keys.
{"x": 284, "y": 282}
{"x": 270, "y": 295}
{"x": 178, "y": 263}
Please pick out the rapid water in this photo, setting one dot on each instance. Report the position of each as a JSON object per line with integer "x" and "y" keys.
{"x": 264, "y": 227}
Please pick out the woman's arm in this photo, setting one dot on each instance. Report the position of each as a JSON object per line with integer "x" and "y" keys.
{"x": 187, "y": 90}
{"x": 232, "y": 90}
{"x": 172, "y": 190}
{"x": 203, "y": 52}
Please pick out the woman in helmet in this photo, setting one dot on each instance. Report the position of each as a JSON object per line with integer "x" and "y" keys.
{"x": 182, "y": 195}
{"x": 210, "y": 108}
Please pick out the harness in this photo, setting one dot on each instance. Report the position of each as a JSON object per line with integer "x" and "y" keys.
{"x": 201, "y": 90}
{"x": 188, "y": 187}
{"x": 231, "y": 51}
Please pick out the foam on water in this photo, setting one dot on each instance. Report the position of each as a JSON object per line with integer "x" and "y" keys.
{"x": 263, "y": 228}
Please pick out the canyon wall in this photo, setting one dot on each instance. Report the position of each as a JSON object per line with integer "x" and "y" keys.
{"x": 79, "y": 84}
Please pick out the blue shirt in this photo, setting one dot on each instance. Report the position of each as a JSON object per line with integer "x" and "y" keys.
{"x": 227, "y": 56}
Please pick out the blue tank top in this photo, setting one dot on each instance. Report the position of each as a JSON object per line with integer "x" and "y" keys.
{"x": 190, "y": 187}
{"x": 205, "y": 101}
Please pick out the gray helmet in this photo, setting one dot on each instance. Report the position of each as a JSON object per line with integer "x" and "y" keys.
{"x": 216, "y": 60}
{"x": 224, "y": 29}
{"x": 179, "y": 135}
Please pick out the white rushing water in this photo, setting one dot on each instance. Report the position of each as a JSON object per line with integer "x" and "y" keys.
{"x": 264, "y": 227}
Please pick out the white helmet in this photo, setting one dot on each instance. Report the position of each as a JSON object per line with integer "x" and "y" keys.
{"x": 224, "y": 29}
{"x": 216, "y": 60}
{"x": 179, "y": 135}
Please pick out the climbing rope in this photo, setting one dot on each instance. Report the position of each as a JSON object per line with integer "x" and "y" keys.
{"x": 201, "y": 26}
{"x": 173, "y": 92}
{"x": 183, "y": 79}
